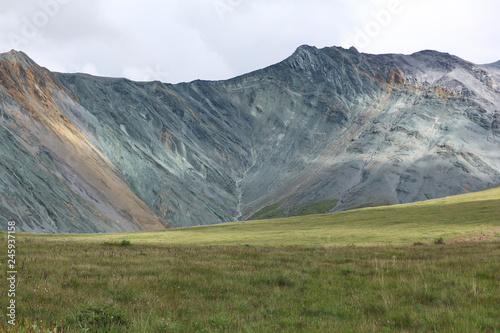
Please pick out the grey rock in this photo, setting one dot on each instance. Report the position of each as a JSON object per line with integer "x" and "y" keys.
{"x": 323, "y": 124}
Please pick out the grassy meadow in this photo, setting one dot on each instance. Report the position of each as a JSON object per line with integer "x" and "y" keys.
{"x": 431, "y": 266}
{"x": 457, "y": 218}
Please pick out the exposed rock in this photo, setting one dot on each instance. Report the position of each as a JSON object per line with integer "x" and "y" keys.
{"x": 396, "y": 76}
{"x": 54, "y": 178}
{"x": 80, "y": 153}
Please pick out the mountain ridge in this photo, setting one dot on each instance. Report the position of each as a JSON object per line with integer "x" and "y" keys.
{"x": 323, "y": 124}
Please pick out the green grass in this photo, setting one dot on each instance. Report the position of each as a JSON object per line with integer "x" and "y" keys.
{"x": 74, "y": 286}
{"x": 472, "y": 215}
{"x": 275, "y": 211}
{"x": 122, "y": 243}
{"x": 320, "y": 207}
{"x": 430, "y": 266}
{"x": 268, "y": 212}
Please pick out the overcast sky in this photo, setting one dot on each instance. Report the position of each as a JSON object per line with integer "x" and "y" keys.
{"x": 184, "y": 40}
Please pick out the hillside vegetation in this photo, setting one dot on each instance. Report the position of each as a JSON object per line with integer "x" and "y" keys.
{"x": 456, "y": 218}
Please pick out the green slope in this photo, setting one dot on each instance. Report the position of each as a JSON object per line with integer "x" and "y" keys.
{"x": 83, "y": 282}
{"x": 453, "y": 218}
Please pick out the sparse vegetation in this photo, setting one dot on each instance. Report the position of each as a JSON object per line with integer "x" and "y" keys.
{"x": 439, "y": 241}
{"x": 122, "y": 243}
{"x": 320, "y": 207}
{"x": 275, "y": 211}
{"x": 96, "y": 318}
{"x": 268, "y": 212}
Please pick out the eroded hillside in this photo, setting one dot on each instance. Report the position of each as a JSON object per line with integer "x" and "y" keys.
{"x": 329, "y": 125}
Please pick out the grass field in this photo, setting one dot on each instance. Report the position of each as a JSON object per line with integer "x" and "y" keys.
{"x": 379, "y": 269}
{"x": 469, "y": 216}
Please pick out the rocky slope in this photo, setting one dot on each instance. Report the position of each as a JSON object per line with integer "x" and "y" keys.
{"x": 53, "y": 176}
{"x": 80, "y": 153}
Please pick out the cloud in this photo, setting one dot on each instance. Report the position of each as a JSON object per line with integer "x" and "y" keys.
{"x": 178, "y": 40}
{"x": 89, "y": 68}
{"x": 460, "y": 27}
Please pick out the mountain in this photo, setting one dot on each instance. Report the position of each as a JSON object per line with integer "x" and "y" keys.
{"x": 327, "y": 126}
{"x": 53, "y": 175}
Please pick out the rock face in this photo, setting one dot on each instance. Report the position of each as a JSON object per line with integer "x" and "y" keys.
{"x": 80, "y": 153}
{"x": 53, "y": 175}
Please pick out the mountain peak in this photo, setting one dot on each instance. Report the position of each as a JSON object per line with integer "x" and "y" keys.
{"x": 433, "y": 55}
{"x": 16, "y": 53}
{"x": 17, "y": 57}
{"x": 431, "y": 52}
{"x": 304, "y": 49}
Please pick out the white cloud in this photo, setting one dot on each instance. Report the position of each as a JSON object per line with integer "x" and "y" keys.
{"x": 463, "y": 28}
{"x": 89, "y": 69}
{"x": 180, "y": 40}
